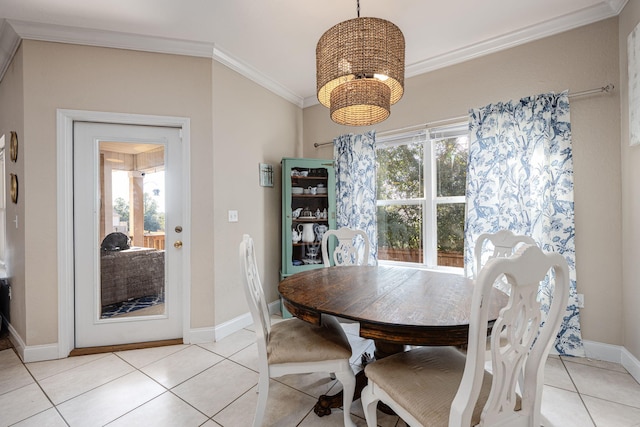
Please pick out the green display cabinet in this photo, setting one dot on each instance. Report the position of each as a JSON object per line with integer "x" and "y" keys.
{"x": 308, "y": 210}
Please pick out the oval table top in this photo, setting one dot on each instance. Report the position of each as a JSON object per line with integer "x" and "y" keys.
{"x": 401, "y": 305}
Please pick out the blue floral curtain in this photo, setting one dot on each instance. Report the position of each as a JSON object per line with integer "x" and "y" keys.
{"x": 520, "y": 178}
{"x": 355, "y": 164}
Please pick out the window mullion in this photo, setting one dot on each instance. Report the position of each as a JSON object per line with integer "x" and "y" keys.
{"x": 396, "y": 202}
{"x": 451, "y": 199}
{"x": 429, "y": 207}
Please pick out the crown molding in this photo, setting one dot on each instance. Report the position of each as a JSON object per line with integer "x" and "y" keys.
{"x": 603, "y": 10}
{"x": 617, "y": 5}
{"x": 9, "y": 42}
{"x": 112, "y": 39}
{"x": 13, "y": 31}
{"x": 256, "y": 76}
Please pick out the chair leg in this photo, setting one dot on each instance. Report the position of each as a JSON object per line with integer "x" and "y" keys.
{"x": 370, "y": 406}
{"x": 348, "y": 380}
{"x": 263, "y": 395}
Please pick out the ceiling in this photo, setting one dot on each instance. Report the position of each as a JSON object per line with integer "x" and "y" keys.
{"x": 273, "y": 41}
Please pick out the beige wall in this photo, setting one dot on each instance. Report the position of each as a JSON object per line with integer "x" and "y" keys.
{"x": 100, "y": 79}
{"x": 251, "y": 126}
{"x": 577, "y": 60}
{"x": 235, "y": 124}
{"x": 12, "y": 119}
{"x": 629, "y": 18}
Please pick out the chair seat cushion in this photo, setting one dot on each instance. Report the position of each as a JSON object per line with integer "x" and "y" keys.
{"x": 294, "y": 341}
{"x": 424, "y": 381}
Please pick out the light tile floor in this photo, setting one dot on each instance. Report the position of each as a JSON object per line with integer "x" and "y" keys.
{"x": 214, "y": 385}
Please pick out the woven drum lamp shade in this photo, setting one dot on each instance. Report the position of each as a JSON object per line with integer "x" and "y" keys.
{"x": 360, "y": 70}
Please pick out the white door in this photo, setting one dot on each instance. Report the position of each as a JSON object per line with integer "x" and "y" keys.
{"x": 127, "y": 233}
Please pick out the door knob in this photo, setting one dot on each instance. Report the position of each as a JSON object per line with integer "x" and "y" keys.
{"x": 177, "y": 244}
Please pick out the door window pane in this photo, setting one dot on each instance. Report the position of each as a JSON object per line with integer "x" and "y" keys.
{"x": 132, "y": 256}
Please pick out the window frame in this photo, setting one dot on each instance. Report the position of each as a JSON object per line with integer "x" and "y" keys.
{"x": 430, "y": 200}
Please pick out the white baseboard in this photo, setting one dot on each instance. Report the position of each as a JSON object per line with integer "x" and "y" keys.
{"x": 615, "y": 354}
{"x": 200, "y": 335}
{"x": 38, "y": 353}
{"x": 231, "y": 326}
{"x": 274, "y": 307}
{"x": 631, "y": 364}
{"x": 32, "y": 353}
{"x": 16, "y": 340}
{"x": 234, "y": 325}
{"x": 600, "y": 351}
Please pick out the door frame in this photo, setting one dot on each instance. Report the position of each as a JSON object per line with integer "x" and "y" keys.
{"x": 65, "y": 249}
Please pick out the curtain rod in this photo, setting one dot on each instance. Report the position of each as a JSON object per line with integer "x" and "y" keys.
{"x": 608, "y": 88}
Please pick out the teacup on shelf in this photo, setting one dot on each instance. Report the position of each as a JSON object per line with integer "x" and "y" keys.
{"x": 312, "y": 252}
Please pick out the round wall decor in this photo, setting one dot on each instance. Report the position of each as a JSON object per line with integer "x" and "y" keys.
{"x": 14, "y": 188}
{"x": 13, "y": 147}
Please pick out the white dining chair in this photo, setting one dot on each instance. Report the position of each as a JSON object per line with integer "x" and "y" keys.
{"x": 352, "y": 247}
{"x": 293, "y": 346}
{"x": 501, "y": 244}
{"x": 504, "y": 244}
{"x": 439, "y": 386}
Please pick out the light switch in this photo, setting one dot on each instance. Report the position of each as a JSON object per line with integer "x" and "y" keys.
{"x": 233, "y": 216}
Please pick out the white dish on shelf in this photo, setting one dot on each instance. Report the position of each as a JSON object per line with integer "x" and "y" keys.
{"x": 312, "y": 261}
{"x": 322, "y": 190}
{"x": 296, "y": 190}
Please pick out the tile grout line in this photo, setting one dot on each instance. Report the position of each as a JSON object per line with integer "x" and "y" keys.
{"x": 578, "y": 391}
{"x": 170, "y": 390}
{"x": 102, "y": 356}
{"x": 53, "y": 406}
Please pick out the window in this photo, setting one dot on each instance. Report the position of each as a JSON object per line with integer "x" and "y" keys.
{"x": 421, "y": 182}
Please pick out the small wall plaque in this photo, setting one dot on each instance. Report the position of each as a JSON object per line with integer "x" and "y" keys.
{"x": 266, "y": 175}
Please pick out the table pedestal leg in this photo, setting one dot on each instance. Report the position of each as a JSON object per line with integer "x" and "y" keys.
{"x": 383, "y": 349}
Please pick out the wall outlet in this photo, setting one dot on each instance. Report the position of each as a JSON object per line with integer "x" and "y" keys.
{"x": 233, "y": 216}
{"x": 580, "y": 300}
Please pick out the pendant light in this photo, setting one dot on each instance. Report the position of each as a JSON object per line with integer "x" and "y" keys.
{"x": 360, "y": 70}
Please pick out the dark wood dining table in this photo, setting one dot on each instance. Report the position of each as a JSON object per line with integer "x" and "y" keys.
{"x": 395, "y": 306}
